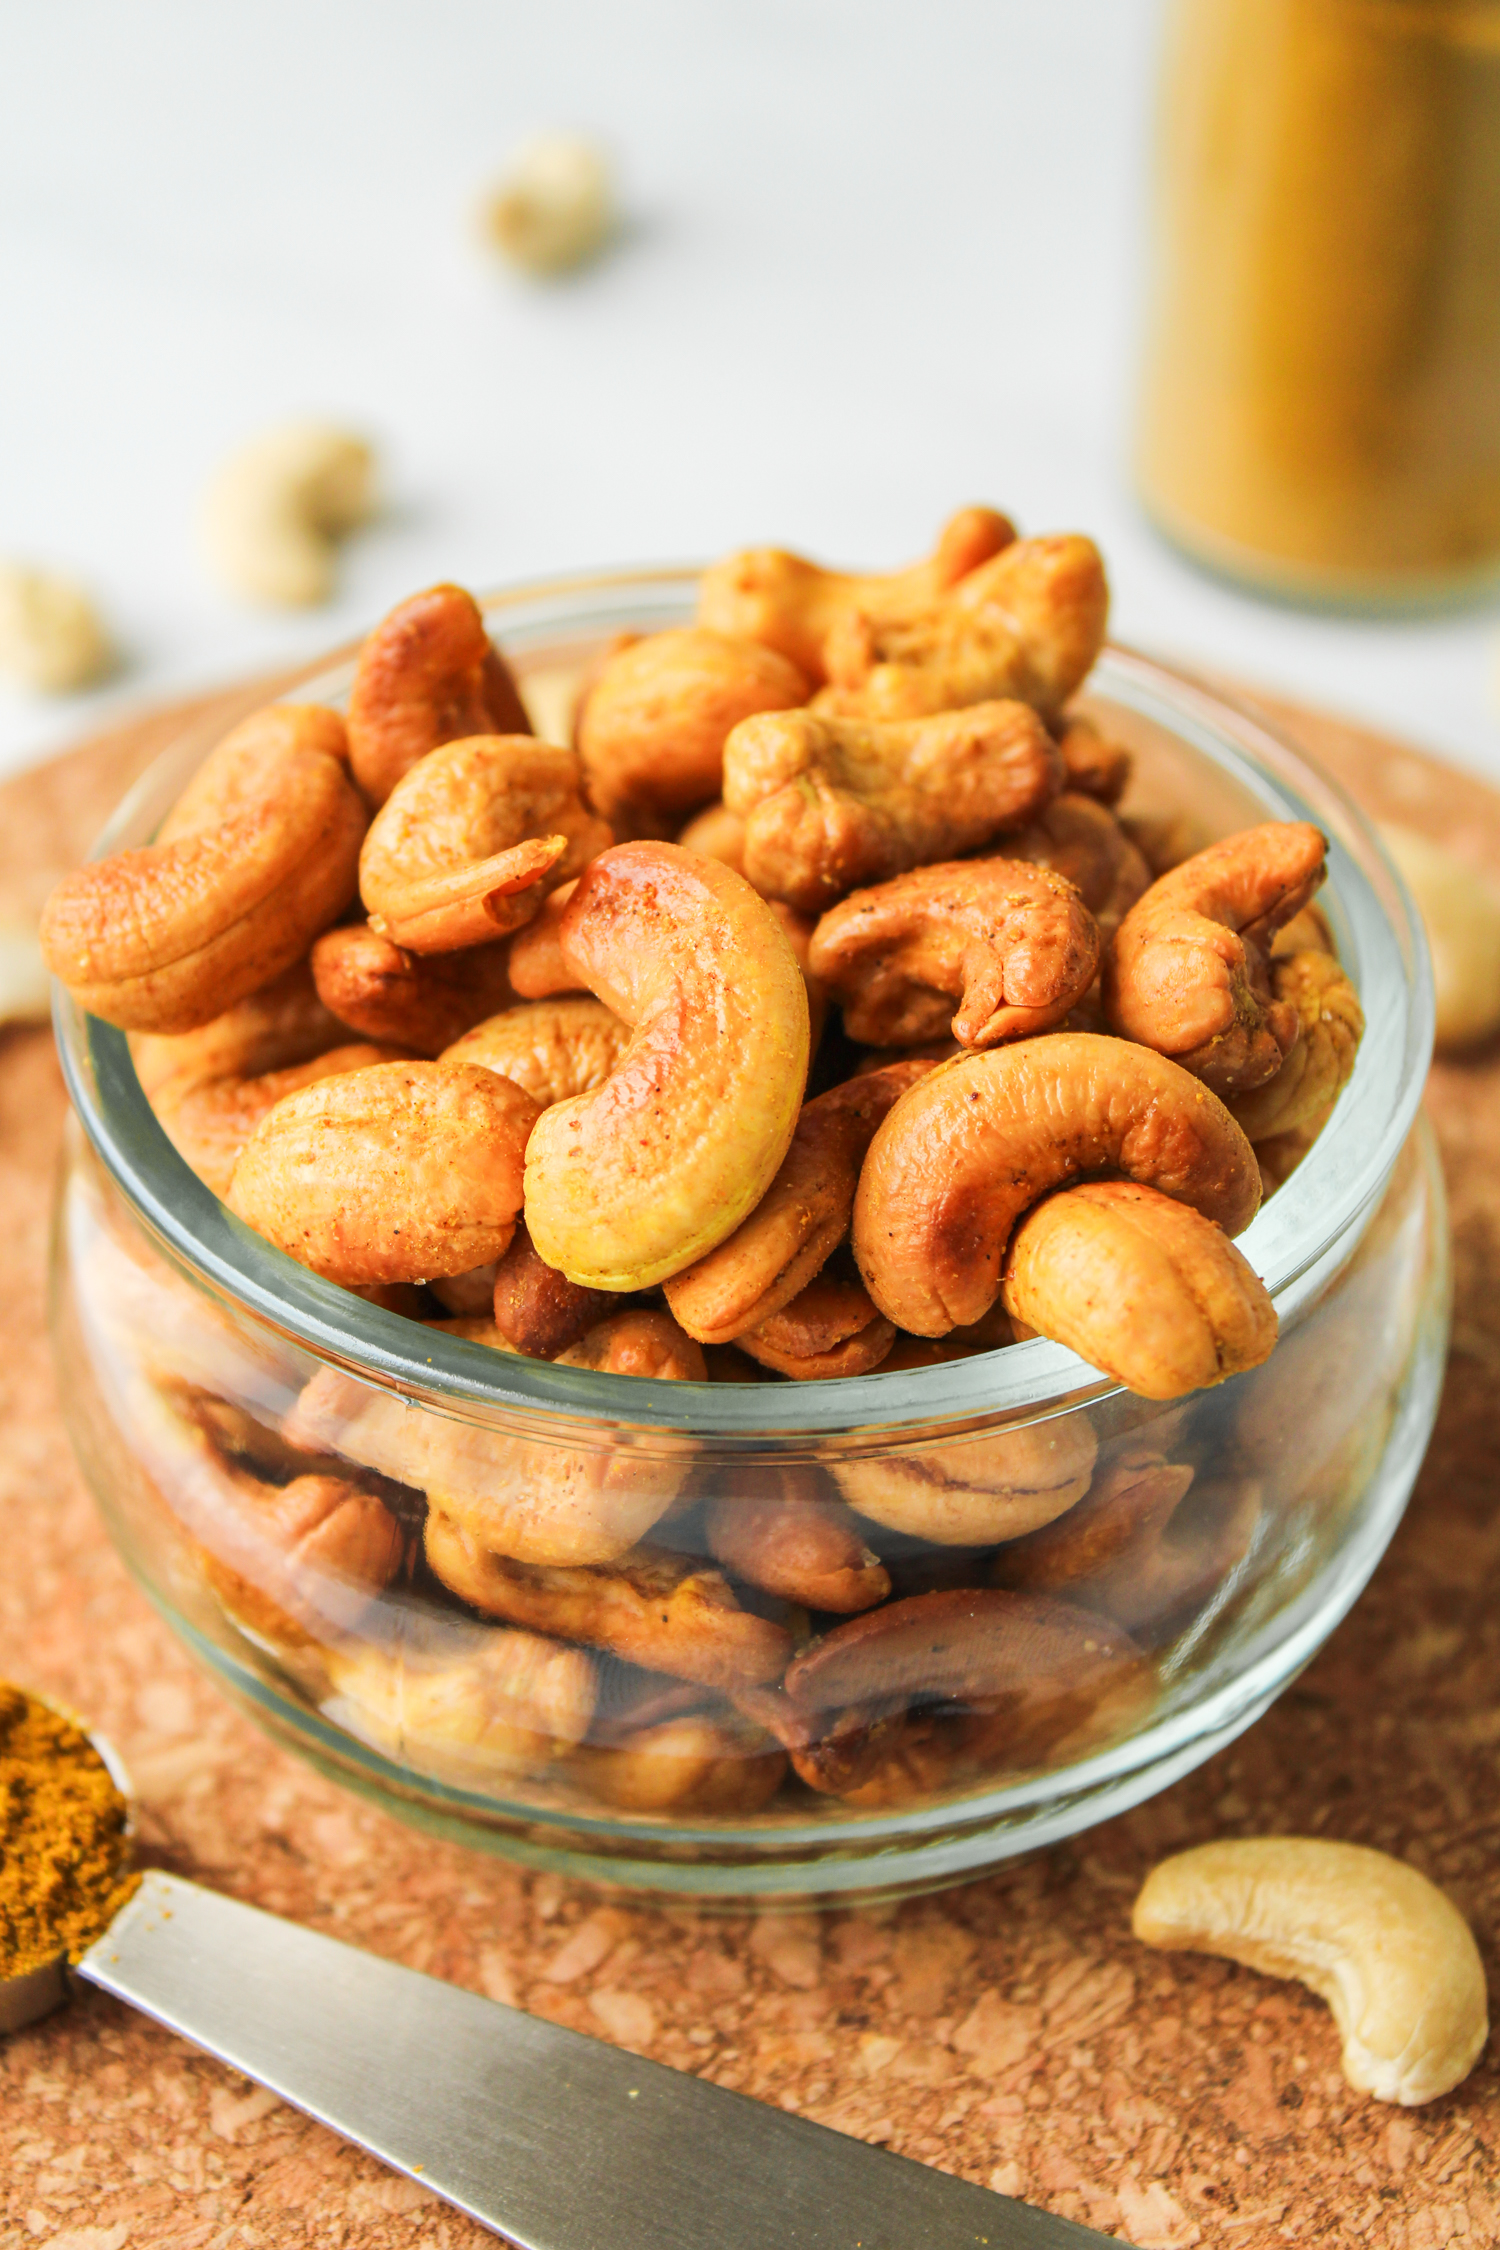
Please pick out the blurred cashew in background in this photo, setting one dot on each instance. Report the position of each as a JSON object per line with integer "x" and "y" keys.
{"x": 275, "y": 511}
{"x": 52, "y": 638}
{"x": 554, "y": 207}
{"x": 1461, "y": 914}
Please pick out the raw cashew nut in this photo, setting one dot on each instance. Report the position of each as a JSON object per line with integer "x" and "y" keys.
{"x": 458, "y": 853}
{"x": 1013, "y": 944}
{"x": 51, "y": 635}
{"x": 633, "y": 1182}
{"x": 964, "y": 1153}
{"x": 829, "y": 1329}
{"x": 1082, "y": 840}
{"x": 1330, "y": 1026}
{"x": 389, "y": 1174}
{"x": 653, "y": 726}
{"x": 977, "y": 1492}
{"x": 275, "y": 512}
{"x": 1392, "y": 1956}
{"x": 428, "y": 674}
{"x": 829, "y": 803}
{"x": 1187, "y": 971}
{"x": 551, "y": 1048}
{"x": 553, "y": 209}
{"x": 800, "y": 1220}
{"x": 1461, "y": 914}
{"x": 765, "y": 594}
{"x": 421, "y": 1001}
{"x": 1028, "y": 625}
{"x": 461, "y": 1703}
{"x": 258, "y": 856}
{"x": 1139, "y": 1285}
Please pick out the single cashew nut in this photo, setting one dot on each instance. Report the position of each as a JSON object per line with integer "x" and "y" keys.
{"x": 800, "y": 1220}
{"x": 302, "y": 1561}
{"x": 552, "y": 1048}
{"x": 796, "y": 1543}
{"x": 285, "y": 1022}
{"x": 553, "y": 210}
{"x": 1139, "y": 1285}
{"x": 830, "y": 1328}
{"x": 463, "y": 1704}
{"x": 1125, "y": 1511}
{"x": 390, "y": 1173}
{"x": 964, "y": 1153}
{"x": 1187, "y": 973}
{"x": 765, "y": 594}
{"x": 1330, "y": 1026}
{"x": 51, "y": 636}
{"x": 642, "y": 1343}
{"x": 459, "y": 850}
{"x": 652, "y": 730}
{"x": 980, "y": 1491}
{"x": 538, "y": 970}
{"x": 1082, "y": 840}
{"x": 1027, "y": 624}
{"x": 428, "y": 674}
{"x": 969, "y": 1645}
{"x": 209, "y": 1120}
{"x": 540, "y": 1312}
{"x": 1013, "y": 944}
{"x": 1392, "y": 1956}
{"x": 1095, "y": 766}
{"x": 420, "y": 1001}
{"x": 700, "y": 1763}
{"x": 259, "y": 855}
{"x": 1461, "y": 914}
{"x": 276, "y": 510}
{"x": 718, "y": 834}
{"x": 632, "y": 1182}
{"x": 829, "y": 803}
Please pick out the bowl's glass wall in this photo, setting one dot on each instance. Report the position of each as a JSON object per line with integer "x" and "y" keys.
{"x": 559, "y": 1667}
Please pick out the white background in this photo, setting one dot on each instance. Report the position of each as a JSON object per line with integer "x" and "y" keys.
{"x": 880, "y": 257}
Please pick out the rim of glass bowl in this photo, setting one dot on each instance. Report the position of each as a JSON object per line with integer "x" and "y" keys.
{"x": 1290, "y": 1243}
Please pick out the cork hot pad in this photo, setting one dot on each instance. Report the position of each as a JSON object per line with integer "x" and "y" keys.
{"x": 1011, "y": 2030}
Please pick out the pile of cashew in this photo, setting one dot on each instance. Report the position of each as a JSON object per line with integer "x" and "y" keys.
{"x": 811, "y": 1012}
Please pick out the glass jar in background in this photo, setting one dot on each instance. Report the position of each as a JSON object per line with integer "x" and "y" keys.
{"x": 1321, "y": 406}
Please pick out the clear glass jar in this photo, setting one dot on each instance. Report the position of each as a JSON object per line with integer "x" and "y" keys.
{"x": 1321, "y": 408}
{"x": 204, "y": 1375}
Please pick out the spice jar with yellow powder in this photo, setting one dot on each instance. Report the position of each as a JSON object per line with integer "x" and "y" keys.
{"x": 1321, "y": 407}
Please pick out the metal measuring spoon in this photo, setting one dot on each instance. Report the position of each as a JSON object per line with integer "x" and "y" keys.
{"x": 553, "y": 2139}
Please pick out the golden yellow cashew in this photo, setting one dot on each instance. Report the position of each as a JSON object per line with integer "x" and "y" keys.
{"x": 1027, "y": 624}
{"x": 51, "y": 636}
{"x": 1330, "y": 1026}
{"x": 285, "y": 1022}
{"x": 423, "y": 1001}
{"x": 1461, "y": 914}
{"x": 766, "y": 594}
{"x": 830, "y": 803}
{"x": 275, "y": 512}
{"x": 392, "y": 1173}
{"x": 980, "y": 1491}
{"x": 257, "y": 857}
{"x": 964, "y": 1153}
{"x": 209, "y": 1120}
{"x": 426, "y": 675}
{"x": 632, "y": 1182}
{"x": 551, "y": 1048}
{"x": 1392, "y": 1956}
{"x": 1082, "y": 840}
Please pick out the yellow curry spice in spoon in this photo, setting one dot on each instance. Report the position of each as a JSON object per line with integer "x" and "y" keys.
{"x": 64, "y": 1857}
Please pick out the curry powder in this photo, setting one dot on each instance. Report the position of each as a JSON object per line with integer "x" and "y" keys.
{"x": 63, "y": 1851}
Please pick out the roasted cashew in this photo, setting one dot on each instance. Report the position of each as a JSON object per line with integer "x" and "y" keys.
{"x": 537, "y": 968}
{"x": 638, "y": 1342}
{"x": 972, "y": 1645}
{"x": 635, "y": 1181}
{"x": 1331, "y": 1024}
{"x": 471, "y": 1295}
{"x": 552, "y": 1049}
{"x": 718, "y": 834}
{"x": 1392, "y": 1956}
{"x": 257, "y": 857}
{"x": 277, "y": 508}
{"x": 428, "y": 674}
{"x": 1082, "y": 840}
{"x": 462, "y": 1703}
{"x": 457, "y": 853}
{"x": 302, "y": 1561}
{"x": 829, "y": 803}
{"x": 420, "y": 1001}
{"x": 829, "y": 1329}
{"x": 978, "y": 1492}
{"x": 1186, "y": 973}
{"x": 389, "y": 1174}
{"x": 540, "y": 1311}
{"x": 1027, "y": 624}
{"x": 1461, "y": 914}
{"x": 1013, "y": 944}
{"x": 700, "y": 1763}
{"x": 1125, "y": 1510}
{"x": 964, "y": 1153}
{"x": 652, "y": 729}
{"x": 800, "y": 1220}
{"x": 766, "y": 594}
{"x": 1095, "y": 767}
{"x": 209, "y": 1120}
{"x": 285, "y": 1022}
{"x": 659, "y": 1610}
{"x": 798, "y": 1544}
{"x": 1139, "y": 1285}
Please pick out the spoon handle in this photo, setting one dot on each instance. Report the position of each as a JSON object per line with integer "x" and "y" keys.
{"x": 555, "y": 2140}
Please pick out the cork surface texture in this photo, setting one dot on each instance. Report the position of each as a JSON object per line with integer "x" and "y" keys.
{"x": 1010, "y": 2030}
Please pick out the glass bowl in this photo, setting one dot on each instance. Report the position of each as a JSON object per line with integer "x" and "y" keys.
{"x": 642, "y": 1739}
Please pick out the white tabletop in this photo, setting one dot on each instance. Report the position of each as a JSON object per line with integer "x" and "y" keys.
{"x": 881, "y": 258}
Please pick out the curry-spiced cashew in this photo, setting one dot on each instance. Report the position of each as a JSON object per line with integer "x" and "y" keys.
{"x": 978, "y": 1491}
{"x": 653, "y": 726}
{"x": 1139, "y": 1285}
{"x": 1388, "y": 1951}
{"x": 769, "y": 595}
{"x": 209, "y": 1120}
{"x": 1013, "y": 944}
{"x": 711, "y": 1762}
{"x": 553, "y": 1048}
{"x": 1186, "y": 973}
{"x": 631, "y": 1183}
{"x": 463, "y": 1703}
{"x": 800, "y": 1220}
{"x": 423, "y": 1001}
{"x": 301, "y": 1561}
{"x": 1027, "y": 624}
{"x": 536, "y": 965}
{"x": 964, "y": 1153}
{"x": 1331, "y": 1025}
{"x": 830, "y": 802}
{"x": 829, "y": 1329}
{"x": 1096, "y": 767}
{"x": 391, "y": 1173}
{"x": 258, "y": 856}
{"x": 1082, "y": 840}
{"x": 1125, "y": 1510}
{"x": 427, "y": 674}
{"x": 718, "y": 834}
{"x": 459, "y": 851}
{"x": 797, "y": 1542}
{"x": 283, "y": 1023}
